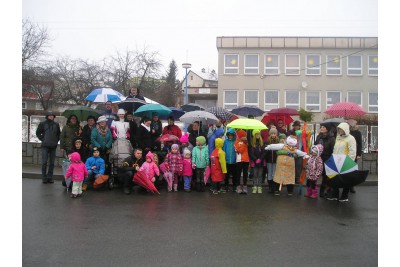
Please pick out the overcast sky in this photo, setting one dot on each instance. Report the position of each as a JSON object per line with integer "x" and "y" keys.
{"x": 187, "y": 30}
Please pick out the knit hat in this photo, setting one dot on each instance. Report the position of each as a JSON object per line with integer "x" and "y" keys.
{"x": 121, "y": 111}
{"x": 175, "y": 146}
{"x": 273, "y": 130}
{"x": 50, "y": 113}
{"x": 255, "y": 131}
{"x": 201, "y": 140}
{"x": 240, "y": 134}
{"x": 78, "y": 140}
{"x": 101, "y": 119}
{"x": 184, "y": 138}
{"x": 282, "y": 136}
{"x": 296, "y": 123}
{"x": 95, "y": 149}
{"x": 186, "y": 151}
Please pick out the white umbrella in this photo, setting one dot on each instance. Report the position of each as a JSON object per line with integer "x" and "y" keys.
{"x": 102, "y": 95}
{"x": 198, "y": 115}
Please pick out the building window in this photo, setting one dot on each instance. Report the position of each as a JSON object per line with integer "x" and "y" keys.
{"x": 23, "y": 105}
{"x": 38, "y": 106}
{"x": 251, "y": 97}
{"x": 373, "y": 65}
{"x": 230, "y": 99}
{"x": 231, "y": 64}
{"x": 271, "y": 64}
{"x": 292, "y": 99}
{"x": 292, "y": 64}
{"x": 354, "y": 65}
{"x": 313, "y": 65}
{"x": 250, "y": 64}
{"x": 271, "y": 99}
{"x": 313, "y": 101}
{"x": 373, "y": 102}
{"x": 333, "y": 97}
{"x": 355, "y": 97}
{"x": 333, "y": 65}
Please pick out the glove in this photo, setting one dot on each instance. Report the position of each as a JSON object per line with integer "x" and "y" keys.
{"x": 306, "y": 156}
{"x": 193, "y": 166}
{"x": 258, "y": 161}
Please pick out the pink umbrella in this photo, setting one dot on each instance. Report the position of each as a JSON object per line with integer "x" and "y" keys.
{"x": 345, "y": 109}
{"x": 169, "y": 177}
{"x": 207, "y": 174}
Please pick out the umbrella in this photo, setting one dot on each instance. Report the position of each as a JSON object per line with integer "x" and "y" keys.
{"x": 339, "y": 164}
{"x": 131, "y": 104}
{"x": 247, "y": 124}
{"x": 149, "y": 109}
{"x": 192, "y": 107}
{"x": 176, "y": 113}
{"x": 169, "y": 177}
{"x": 65, "y": 165}
{"x": 248, "y": 110}
{"x": 287, "y": 111}
{"x": 348, "y": 179}
{"x": 141, "y": 179}
{"x": 102, "y": 95}
{"x": 221, "y": 113}
{"x": 332, "y": 123}
{"x": 207, "y": 174}
{"x": 81, "y": 112}
{"x": 268, "y": 118}
{"x": 303, "y": 175}
{"x": 345, "y": 109}
{"x": 167, "y": 137}
{"x": 280, "y": 113}
{"x": 199, "y": 115}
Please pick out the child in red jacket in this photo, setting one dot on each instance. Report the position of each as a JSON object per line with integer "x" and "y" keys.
{"x": 218, "y": 166}
{"x": 242, "y": 161}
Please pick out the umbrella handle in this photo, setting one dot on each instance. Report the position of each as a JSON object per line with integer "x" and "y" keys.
{"x": 280, "y": 186}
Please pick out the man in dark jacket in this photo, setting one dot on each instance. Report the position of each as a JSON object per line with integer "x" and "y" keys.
{"x": 48, "y": 133}
{"x": 129, "y": 167}
{"x": 109, "y": 114}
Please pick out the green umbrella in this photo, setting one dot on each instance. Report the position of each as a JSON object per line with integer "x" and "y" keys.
{"x": 247, "y": 124}
{"x": 149, "y": 109}
{"x": 81, "y": 112}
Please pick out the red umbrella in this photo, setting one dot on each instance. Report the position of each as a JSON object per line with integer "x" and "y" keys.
{"x": 283, "y": 111}
{"x": 167, "y": 138}
{"x": 267, "y": 118}
{"x": 141, "y": 179}
{"x": 345, "y": 109}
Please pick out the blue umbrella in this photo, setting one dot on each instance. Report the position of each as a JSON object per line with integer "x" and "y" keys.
{"x": 248, "y": 110}
{"x": 176, "y": 113}
{"x": 102, "y": 95}
{"x": 149, "y": 109}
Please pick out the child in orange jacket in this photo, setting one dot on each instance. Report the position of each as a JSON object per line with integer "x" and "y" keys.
{"x": 242, "y": 161}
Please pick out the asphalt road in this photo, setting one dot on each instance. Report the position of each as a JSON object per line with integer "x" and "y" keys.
{"x": 108, "y": 228}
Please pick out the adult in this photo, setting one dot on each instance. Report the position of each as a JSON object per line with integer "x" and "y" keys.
{"x": 132, "y": 128}
{"x": 345, "y": 144}
{"x": 69, "y": 132}
{"x": 281, "y": 127}
{"x": 134, "y": 93}
{"x": 156, "y": 130}
{"x": 101, "y": 137}
{"x": 214, "y": 127}
{"x": 109, "y": 114}
{"x": 86, "y": 133}
{"x": 171, "y": 128}
{"x": 218, "y": 133}
{"x": 77, "y": 146}
{"x": 194, "y": 132}
{"x": 120, "y": 128}
{"x": 48, "y": 133}
{"x": 355, "y": 132}
{"x": 298, "y": 161}
{"x": 327, "y": 140}
{"x": 143, "y": 136}
{"x": 130, "y": 166}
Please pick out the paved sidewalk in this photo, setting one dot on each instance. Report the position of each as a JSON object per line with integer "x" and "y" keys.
{"x": 34, "y": 171}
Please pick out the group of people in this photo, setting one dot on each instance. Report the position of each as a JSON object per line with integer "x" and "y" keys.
{"x": 227, "y": 156}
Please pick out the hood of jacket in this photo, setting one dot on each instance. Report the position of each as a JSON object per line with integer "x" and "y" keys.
{"x": 318, "y": 148}
{"x": 219, "y": 143}
{"x": 218, "y": 132}
{"x": 231, "y": 131}
{"x": 345, "y": 127}
{"x": 241, "y": 133}
{"x": 75, "y": 157}
{"x": 150, "y": 155}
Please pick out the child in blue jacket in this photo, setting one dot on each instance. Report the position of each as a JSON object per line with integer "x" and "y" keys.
{"x": 95, "y": 166}
{"x": 230, "y": 154}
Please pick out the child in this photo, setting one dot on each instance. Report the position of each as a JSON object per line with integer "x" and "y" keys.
{"x": 77, "y": 171}
{"x": 95, "y": 165}
{"x": 218, "y": 166}
{"x": 242, "y": 161}
{"x": 230, "y": 158}
{"x": 285, "y": 169}
{"x": 200, "y": 161}
{"x": 185, "y": 143}
{"x": 314, "y": 170}
{"x": 257, "y": 154}
{"x": 187, "y": 169}
{"x": 150, "y": 167}
{"x": 271, "y": 157}
{"x": 78, "y": 147}
{"x": 173, "y": 161}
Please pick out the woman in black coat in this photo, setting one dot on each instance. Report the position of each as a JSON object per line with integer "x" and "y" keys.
{"x": 143, "y": 136}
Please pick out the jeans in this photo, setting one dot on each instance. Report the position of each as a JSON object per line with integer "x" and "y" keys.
{"x": 91, "y": 177}
{"x": 187, "y": 180}
{"x": 257, "y": 179}
{"x": 48, "y": 154}
{"x": 271, "y": 171}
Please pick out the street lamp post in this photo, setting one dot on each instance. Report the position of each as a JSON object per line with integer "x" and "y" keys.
{"x": 186, "y": 66}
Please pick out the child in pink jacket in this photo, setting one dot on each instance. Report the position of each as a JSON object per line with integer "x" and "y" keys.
{"x": 187, "y": 169}
{"x": 150, "y": 168}
{"x": 77, "y": 171}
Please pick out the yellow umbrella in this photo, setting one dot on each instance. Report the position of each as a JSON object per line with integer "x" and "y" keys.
{"x": 247, "y": 124}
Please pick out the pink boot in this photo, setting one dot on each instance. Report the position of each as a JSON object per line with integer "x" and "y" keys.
{"x": 314, "y": 192}
{"x": 309, "y": 192}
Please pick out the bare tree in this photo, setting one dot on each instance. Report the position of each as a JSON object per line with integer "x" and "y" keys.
{"x": 35, "y": 39}
{"x": 121, "y": 71}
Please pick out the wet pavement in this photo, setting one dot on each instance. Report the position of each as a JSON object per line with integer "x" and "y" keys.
{"x": 108, "y": 228}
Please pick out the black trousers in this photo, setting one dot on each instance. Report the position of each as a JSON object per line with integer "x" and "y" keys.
{"x": 242, "y": 166}
{"x": 125, "y": 178}
{"x": 230, "y": 171}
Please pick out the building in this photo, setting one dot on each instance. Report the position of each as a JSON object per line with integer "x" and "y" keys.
{"x": 202, "y": 87}
{"x": 298, "y": 72}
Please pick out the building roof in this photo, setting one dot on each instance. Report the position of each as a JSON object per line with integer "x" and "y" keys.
{"x": 206, "y": 75}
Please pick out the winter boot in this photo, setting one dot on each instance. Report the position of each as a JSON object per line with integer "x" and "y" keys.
{"x": 254, "y": 189}
{"x": 270, "y": 186}
{"x": 197, "y": 186}
{"x": 322, "y": 191}
{"x": 259, "y": 189}
{"x": 314, "y": 192}
{"x": 244, "y": 189}
{"x": 239, "y": 189}
{"x": 309, "y": 192}
{"x": 176, "y": 187}
{"x": 202, "y": 187}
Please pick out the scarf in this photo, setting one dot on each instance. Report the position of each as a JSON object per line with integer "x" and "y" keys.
{"x": 102, "y": 130}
